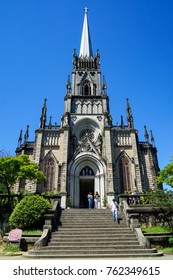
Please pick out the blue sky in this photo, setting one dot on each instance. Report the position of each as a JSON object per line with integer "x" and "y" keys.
{"x": 135, "y": 39}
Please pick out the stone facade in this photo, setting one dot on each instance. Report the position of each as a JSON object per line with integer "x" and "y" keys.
{"x": 86, "y": 152}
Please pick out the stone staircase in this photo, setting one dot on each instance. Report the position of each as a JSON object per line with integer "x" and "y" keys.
{"x": 92, "y": 233}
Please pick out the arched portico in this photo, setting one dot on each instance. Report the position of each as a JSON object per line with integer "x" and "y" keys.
{"x": 96, "y": 178}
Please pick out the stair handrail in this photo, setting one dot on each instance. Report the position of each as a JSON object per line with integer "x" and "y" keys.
{"x": 125, "y": 206}
{"x": 143, "y": 241}
{"x": 51, "y": 222}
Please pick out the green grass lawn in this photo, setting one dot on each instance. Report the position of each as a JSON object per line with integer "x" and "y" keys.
{"x": 156, "y": 229}
{"x": 159, "y": 229}
{"x": 34, "y": 231}
{"x": 11, "y": 248}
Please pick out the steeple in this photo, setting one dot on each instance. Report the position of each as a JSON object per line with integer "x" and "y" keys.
{"x": 85, "y": 47}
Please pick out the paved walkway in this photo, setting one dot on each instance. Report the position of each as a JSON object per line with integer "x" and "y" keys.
{"x": 20, "y": 257}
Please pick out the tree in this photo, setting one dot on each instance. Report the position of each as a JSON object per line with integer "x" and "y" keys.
{"x": 159, "y": 198}
{"x": 166, "y": 175}
{"x": 13, "y": 169}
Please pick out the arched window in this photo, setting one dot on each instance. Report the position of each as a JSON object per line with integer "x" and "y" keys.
{"x": 86, "y": 88}
{"x": 125, "y": 176}
{"x": 86, "y": 171}
{"x": 49, "y": 171}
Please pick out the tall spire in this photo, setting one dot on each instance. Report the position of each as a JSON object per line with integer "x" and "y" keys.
{"x": 86, "y": 47}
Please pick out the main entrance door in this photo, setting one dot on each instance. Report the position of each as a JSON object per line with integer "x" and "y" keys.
{"x": 86, "y": 186}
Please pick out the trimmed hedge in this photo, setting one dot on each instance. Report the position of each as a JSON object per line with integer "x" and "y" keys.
{"x": 29, "y": 212}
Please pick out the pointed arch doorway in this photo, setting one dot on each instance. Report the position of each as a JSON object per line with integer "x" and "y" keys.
{"x": 86, "y": 186}
{"x": 86, "y": 173}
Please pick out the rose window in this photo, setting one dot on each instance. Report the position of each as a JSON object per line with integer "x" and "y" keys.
{"x": 87, "y": 134}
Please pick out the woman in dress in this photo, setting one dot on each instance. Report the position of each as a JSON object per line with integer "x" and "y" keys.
{"x": 96, "y": 200}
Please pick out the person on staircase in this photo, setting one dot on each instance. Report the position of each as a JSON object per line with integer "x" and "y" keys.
{"x": 96, "y": 200}
{"x": 90, "y": 200}
{"x": 114, "y": 209}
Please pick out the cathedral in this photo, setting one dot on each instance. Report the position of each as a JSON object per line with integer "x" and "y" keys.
{"x": 86, "y": 151}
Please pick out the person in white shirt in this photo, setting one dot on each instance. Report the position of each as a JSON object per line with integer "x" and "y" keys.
{"x": 96, "y": 200}
{"x": 114, "y": 209}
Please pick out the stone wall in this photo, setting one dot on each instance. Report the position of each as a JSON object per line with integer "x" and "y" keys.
{"x": 147, "y": 216}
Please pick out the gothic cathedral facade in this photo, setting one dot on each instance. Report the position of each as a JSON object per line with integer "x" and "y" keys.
{"x": 86, "y": 152}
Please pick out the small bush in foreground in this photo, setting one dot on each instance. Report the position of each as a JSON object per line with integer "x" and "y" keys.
{"x": 29, "y": 212}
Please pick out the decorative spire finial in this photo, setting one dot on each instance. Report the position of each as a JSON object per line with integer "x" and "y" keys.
{"x": 129, "y": 115}
{"x": 43, "y": 115}
{"x": 152, "y": 138}
{"x": 26, "y": 136}
{"x": 68, "y": 85}
{"x": 122, "y": 122}
{"x": 146, "y": 134}
{"x": 20, "y": 138}
{"x": 104, "y": 85}
{"x": 50, "y": 123}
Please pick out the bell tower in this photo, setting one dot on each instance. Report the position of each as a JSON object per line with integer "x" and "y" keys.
{"x": 87, "y": 105}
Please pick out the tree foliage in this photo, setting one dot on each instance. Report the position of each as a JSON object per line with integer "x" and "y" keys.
{"x": 158, "y": 198}
{"x": 13, "y": 169}
{"x": 29, "y": 212}
{"x": 166, "y": 175}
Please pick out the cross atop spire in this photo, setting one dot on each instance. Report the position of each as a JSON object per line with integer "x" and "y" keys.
{"x": 86, "y": 10}
{"x": 85, "y": 46}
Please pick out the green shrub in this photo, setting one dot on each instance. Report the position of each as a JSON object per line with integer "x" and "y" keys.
{"x": 29, "y": 212}
{"x": 68, "y": 201}
{"x": 171, "y": 241}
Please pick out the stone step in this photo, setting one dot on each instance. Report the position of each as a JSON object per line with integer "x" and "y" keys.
{"x": 93, "y": 256}
{"x": 82, "y": 226}
{"x": 62, "y": 243}
{"x": 97, "y": 246}
{"x": 88, "y": 223}
{"x": 93, "y": 251}
{"x": 84, "y": 233}
{"x": 93, "y": 230}
{"x": 87, "y": 238}
{"x": 86, "y": 219}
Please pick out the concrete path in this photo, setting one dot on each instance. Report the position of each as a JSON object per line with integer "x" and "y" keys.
{"x": 20, "y": 257}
